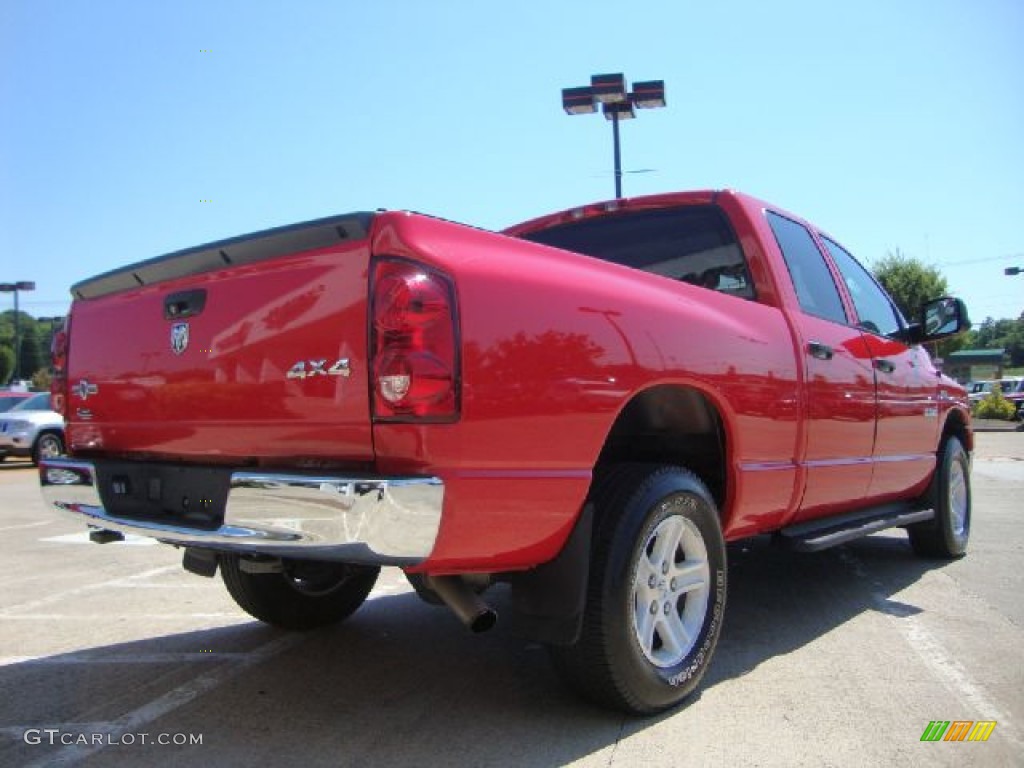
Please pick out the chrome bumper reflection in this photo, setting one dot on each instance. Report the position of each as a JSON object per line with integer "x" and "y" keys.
{"x": 391, "y": 520}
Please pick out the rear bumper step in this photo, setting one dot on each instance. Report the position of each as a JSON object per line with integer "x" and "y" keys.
{"x": 829, "y": 532}
{"x": 371, "y": 520}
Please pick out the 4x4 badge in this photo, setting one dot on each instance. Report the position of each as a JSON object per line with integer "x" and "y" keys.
{"x": 305, "y": 369}
{"x": 179, "y": 338}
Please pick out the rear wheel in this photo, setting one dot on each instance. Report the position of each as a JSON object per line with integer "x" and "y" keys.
{"x": 945, "y": 536}
{"x": 302, "y": 594}
{"x": 656, "y": 593}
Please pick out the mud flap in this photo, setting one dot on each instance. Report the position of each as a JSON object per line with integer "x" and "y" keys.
{"x": 548, "y": 600}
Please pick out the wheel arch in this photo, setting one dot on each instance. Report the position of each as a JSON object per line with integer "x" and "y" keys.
{"x": 956, "y": 425}
{"x": 663, "y": 424}
{"x": 674, "y": 424}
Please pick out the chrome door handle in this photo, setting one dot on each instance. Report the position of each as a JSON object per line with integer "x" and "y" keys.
{"x": 819, "y": 350}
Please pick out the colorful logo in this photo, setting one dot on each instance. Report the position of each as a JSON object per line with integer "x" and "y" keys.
{"x": 958, "y": 730}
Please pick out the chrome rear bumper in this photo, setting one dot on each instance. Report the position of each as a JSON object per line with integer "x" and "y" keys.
{"x": 373, "y": 520}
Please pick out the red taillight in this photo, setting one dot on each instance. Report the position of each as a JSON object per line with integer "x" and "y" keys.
{"x": 414, "y": 343}
{"x": 59, "y": 379}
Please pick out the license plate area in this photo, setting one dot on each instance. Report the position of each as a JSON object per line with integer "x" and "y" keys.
{"x": 193, "y": 497}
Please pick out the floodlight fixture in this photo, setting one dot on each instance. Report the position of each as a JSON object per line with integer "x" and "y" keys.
{"x": 622, "y": 110}
{"x": 649, "y": 94}
{"x": 609, "y": 89}
{"x": 617, "y": 103}
{"x": 578, "y": 101}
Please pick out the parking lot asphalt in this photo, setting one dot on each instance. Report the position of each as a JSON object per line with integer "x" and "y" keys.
{"x": 840, "y": 658}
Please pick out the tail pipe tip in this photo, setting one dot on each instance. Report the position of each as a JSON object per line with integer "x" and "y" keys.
{"x": 464, "y": 602}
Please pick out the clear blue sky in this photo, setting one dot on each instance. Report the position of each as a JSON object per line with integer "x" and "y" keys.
{"x": 890, "y": 123}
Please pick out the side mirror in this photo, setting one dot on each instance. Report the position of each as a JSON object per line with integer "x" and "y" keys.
{"x": 940, "y": 319}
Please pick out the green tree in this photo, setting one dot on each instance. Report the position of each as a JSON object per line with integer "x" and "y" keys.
{"x": 995, "y": 406}
{"x": 32, "y": 358}
{"x": 1006, "y": 333}
{"x": 910, "y": 282}
{"x": 6, "y": 364}
{"x": 31, "y": 355}
{"x": 41, "y": 380}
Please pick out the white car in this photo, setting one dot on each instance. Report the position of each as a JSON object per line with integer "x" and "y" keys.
{"x": 978, "y": 390}
{"x": 32, "y": 428}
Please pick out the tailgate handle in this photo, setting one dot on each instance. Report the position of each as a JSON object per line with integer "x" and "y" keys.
{"x": 184, "y": 304}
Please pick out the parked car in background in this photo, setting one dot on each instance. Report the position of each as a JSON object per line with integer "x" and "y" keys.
{"x": 32, "y": 428}
{"x": 1013, "y": 390}
{"x": 978, "y": 390}
{"x": 10, "y": 399}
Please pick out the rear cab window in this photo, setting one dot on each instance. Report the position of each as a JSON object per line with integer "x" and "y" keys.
{"x": 694, "y": 244}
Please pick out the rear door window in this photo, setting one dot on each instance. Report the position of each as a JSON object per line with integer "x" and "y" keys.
{"x": 812, "y": 279}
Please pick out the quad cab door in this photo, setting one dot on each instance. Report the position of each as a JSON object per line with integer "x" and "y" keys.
{"x": 907, "y": 385}
{"x": 839, "y": 380}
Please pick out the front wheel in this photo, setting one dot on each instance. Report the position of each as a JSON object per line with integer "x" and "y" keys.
{"x": 301, "y": 594}
{"x": 49, "y": 445}
{"x": 945, "y": 536}
{"x": 656, "y": 594}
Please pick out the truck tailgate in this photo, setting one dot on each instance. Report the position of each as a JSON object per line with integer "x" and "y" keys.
{"x": 253, "y": 347}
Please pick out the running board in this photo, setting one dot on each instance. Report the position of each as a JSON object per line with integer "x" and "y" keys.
{"x": 816, "y": 535}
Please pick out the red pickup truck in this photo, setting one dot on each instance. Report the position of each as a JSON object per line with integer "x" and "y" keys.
{"x": 586, "y": 407}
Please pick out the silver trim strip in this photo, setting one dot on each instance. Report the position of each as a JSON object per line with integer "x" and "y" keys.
{"x": 377, "y": 520}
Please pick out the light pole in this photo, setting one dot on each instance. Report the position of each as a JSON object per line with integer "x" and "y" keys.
{"x": 1013, "y": 270}
{"x": 617, "y": 104}
{"x": 21, "y": 285}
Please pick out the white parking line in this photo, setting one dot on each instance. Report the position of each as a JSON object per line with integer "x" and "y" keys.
{"x": 23, "y": 526}
{"x": 85, "y": 588}
{"x": 134, "y": 658}
{"x": 228, "y": 666}
{"x": 935, "y": 656}
{"x": 238, "y": 615}
{"x": 130, "y": 540}
{"x": 136, "y": 720}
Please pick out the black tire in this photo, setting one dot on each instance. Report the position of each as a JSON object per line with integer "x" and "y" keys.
{"x": 48, "y": 445}
{"x": 305, "y": 595}
{"x": 945, "y": 536}
{"x": 625, "y": 659}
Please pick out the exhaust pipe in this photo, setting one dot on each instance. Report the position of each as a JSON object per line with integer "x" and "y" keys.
{"x": 464, "y": 602}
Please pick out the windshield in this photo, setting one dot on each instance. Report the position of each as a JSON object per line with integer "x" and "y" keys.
{"x": 38, "y": 402}
{"x": 8, "y": 402}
